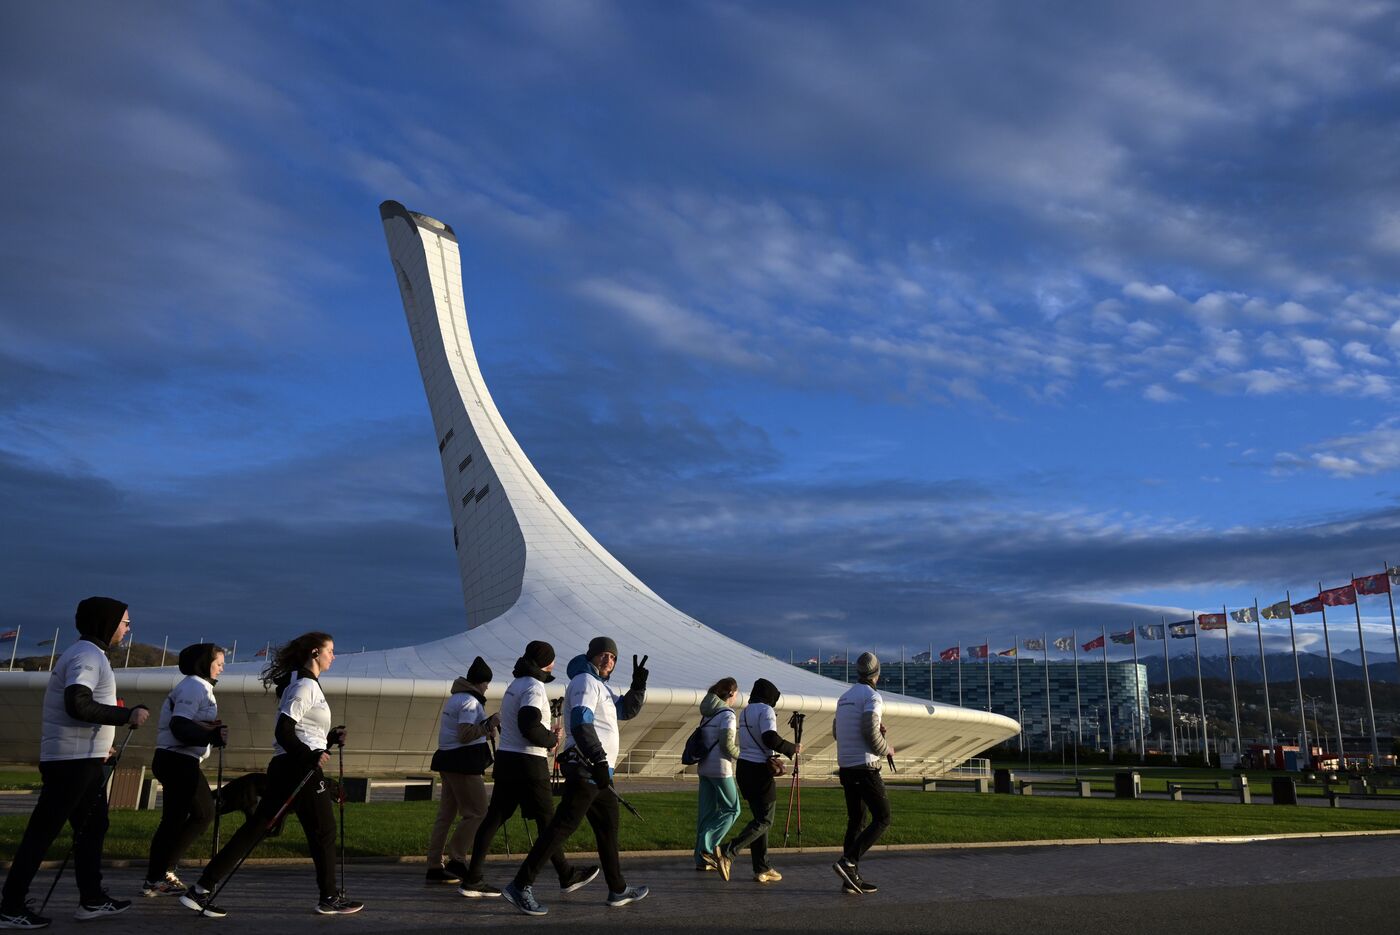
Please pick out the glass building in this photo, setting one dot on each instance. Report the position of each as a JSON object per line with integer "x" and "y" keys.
{"x": 1124, "y": 705}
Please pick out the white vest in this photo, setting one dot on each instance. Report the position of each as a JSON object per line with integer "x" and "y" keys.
{"x": 851, "y": 748}
{"x": 460, "y": 708}
{"x": 525, "y": 692}
{"x": 304, "y": 702}
{"x": 63, "y": 737}
{"x": 586, "y": 690}
{"x": 756, "y": 720}
{"x": 193, "y": 699}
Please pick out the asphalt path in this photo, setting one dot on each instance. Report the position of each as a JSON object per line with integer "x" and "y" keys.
{"x": 1302, "y": 885}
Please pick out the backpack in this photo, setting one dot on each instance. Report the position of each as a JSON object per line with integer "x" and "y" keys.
{"x": 695, "y": 747}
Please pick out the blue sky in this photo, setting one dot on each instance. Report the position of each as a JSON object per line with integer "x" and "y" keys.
{"x": 883, "y": 325}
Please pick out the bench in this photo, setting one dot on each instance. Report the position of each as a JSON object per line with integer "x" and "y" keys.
{"x": 1081, "y": 787}
{"x": 978, "y": 784}
{"x": 1240, "y": 788}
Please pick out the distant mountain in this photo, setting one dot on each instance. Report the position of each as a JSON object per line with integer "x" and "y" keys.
{"x": 1280, "y": 665}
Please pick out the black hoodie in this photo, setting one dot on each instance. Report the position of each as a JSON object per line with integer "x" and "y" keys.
{"x": 531, "y": 720}
{"x": 765, "y": 692}
{"x": 197, "y": 659}
{"x": 96, "y": 619}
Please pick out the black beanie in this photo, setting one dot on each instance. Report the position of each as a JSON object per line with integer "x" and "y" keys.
{"x": 98, "y": 618}
{"x": 601, "y": 644}
{"x": 196, "y": 659}
{"x": 479, "y": 672}
{"x": 540, "y": 653}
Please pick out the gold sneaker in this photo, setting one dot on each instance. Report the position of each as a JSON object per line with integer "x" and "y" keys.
{"x": 723, "y": 861}
{"x": 767, "y": 876}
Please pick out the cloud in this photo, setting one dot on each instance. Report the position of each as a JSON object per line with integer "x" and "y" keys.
{"x": 1374, "y": 451}
{"x": 1158, "y": 294}
{"x": 1160, "y": 394}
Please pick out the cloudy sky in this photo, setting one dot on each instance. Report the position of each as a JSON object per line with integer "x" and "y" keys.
{"x": 873, "y": 325}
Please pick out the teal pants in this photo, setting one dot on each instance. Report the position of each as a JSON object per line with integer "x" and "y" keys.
{"x": 719, "y": 807}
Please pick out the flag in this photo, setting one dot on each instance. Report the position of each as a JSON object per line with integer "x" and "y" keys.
{"x": 812, "y": 661}
{"x": 260, "y": 653}
{"x": 950, "y": 654}
{"x": 840, "y": 660}
{"x": 1183, "y": 630}
{"x": 1037, "y": 646}
{"x": 1008, "y": 652}
{"x": 921, "y": 657}
{"x": 1064, "y": 644}
{"x": 1338, "y": 597}
{"x": 977, "y": 652}
{"x": 1311, "y": 606}
{"x": 1211, "y": 621}
{"x": 1277, "y": 611}
{"x": 1244, "y": 615}
{"x": 1151, "y": 631}
{"x": 1095, "y": 643}
{"x": 8, "y": 635}
{"x": 46, "y": 642}
{"x": 1127, "y": 636}
{"x": 1394, "y": 574}
{"x": 1372, "y": 584}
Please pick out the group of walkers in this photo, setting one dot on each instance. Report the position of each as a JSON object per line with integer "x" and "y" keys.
{"x": 739, "y": 756}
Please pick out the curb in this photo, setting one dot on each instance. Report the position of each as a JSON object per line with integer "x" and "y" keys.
{"x": 125, "y": 863}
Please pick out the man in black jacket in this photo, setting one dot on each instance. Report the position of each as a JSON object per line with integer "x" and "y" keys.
{"x": 81, "y": 715}
{"x": 522, "y": 772}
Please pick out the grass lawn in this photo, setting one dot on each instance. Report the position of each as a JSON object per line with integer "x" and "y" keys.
{"x": 19, "y": 779}
{"x": 1155, "y": 779}
{"x": 401, "y": 828}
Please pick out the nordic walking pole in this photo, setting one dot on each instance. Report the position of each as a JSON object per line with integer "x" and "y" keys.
{"x": 794, "y": 785}
{"x": 101, "y": 790}
{"x": 339, "y": 734}
{"x": 218, "y": 800}
{"x": 505, "y": 825}
{"x": 263, "y": 832}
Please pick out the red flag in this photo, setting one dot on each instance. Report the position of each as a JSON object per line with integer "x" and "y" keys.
{"x": 950, "y": 654}
{"x": 1338, "y": 597}
{"x": 1312, "y": 605}
{"x": 977, "y": 652}
{"x": 8, "y": 635}
{"x": 1372, "y": 584}
{"x": 1211, "y": 621}
{"x": 260, "y": 653}
{"x": 1095, "y": 643}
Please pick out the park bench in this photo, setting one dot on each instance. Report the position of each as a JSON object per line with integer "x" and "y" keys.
{"x": 975, "y": 784}
{"x": 1081, "y": 787}
{"x": 1176, "y": 789}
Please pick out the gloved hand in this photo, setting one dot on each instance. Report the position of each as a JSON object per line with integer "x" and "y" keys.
{"x": 336, "y": 736}
{"x": 602, "y": 777}
{"x": 640, "y": 673}
{"x": 220, "y": 734}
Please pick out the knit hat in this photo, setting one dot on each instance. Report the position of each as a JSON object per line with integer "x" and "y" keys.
{"x": 479, "y": 672}
{"x": 98, "y": 618}
{"x": 197, "y": 659}
{"x": 540, "y": 653}
{"x": 601, "y": 644}
{"x": 868, "y": 667}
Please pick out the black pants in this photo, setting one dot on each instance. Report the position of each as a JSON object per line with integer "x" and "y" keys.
{"x": 73, "y": 792}
{"x": 582, "y": 799}
{"x": 313, "y": 809}
{"x": 520, "y": 781}
{"x": 187, "y": 808}
{"x": 756, "y": 785}
{"x": 864, "y": 790}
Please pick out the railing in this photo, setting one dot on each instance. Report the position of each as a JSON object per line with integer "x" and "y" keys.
{"x": 639, "y": 763}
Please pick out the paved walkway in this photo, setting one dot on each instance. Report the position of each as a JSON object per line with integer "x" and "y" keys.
{"x": 1321, "y": 884}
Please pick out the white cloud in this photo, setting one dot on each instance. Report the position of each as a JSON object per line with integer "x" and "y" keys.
{"x": 1374, "y": 451}
{"x": 1362, "y": 354}
{"x": 1158, "y": 294}
{"x": 1157, "y": 393}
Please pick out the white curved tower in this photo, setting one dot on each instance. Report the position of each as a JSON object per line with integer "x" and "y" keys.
{"x": 529, "y": 571}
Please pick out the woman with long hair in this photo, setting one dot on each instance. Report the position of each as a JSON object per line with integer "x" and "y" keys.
{"x": 301, "y": 740}
{"x": 719, "y": 797}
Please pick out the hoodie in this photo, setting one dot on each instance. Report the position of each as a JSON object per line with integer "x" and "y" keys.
{"x": 758, "y": 725}
{"x": 718, "y": 731}
{"x": 464, "y": 732}
{"x": 190, "y": 705}
{"x": 523, "y": 728}
{"x": 595, "y": 708}
{"x": 96, "y": 620}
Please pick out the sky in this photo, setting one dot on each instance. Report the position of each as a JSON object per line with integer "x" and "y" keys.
{"x": 840, "y": 325}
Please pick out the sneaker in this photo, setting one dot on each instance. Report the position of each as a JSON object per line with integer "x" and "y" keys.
{"x": 22, "y": 918}
{"x": 441, "y": 875}
{"x": 170, "y": 886}
{"x": 338, "y": 906}
{"x": 523, "y": 898}
{"x": 457, "y": 869}
{"x": 723, "y": 861}
{"x": 767, "y": 876}
{"x": 478, "y": 890}
{"x": 849, "y": 875}
{"x": 104, "y": 906}
{"x": 866, "y": 887}
{"x": 198, "y": 900}
{"x": 629, "y": 895}
{"x": 577, "y": 880}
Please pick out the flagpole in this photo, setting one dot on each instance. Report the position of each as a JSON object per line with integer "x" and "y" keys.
{"x": 1298, "y": 681}
{"x": 848, "y": 671}
{"x": 1078, "y": 705}
{"x": 987, "y": 664}
{"x": 1020, "y": 712}
{"x": 129, "y": 641}
{"x": 1264, "y": 668}
{"x": 930, "y": 671}
{"x": 53, "y": 648}
{"x": 1107, "y": 695}
{"x": 1171, "y": 701}
{"x": 15, "y": 648}
{"x": 1394, "y": 633}
{"x": 1045, "y": 655}
{"x": 903, "y": 681}
{"x": 959, "y": 676}
{"x": 1234, "y": 698}
{"x": 1332, "y": 678}
{"x": 164, "y": 645}
{"x": 1366, "y": 675}
{"x": 1137, "y": 699}
{"x": 1200, "y": 684}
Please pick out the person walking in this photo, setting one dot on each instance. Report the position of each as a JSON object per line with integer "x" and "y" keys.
{"x": 590, "y": 753}
{"x": 80, "y": 716}
{"x": 860, "y": 748}
{"x": 719, "y": 796}
{"x": 521, "y": 775}
{"x": 760, "y": 745}
{"x": 189, "y": 725}
{"x": 300, "y": 752}
{"x": 462, "y": 757}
